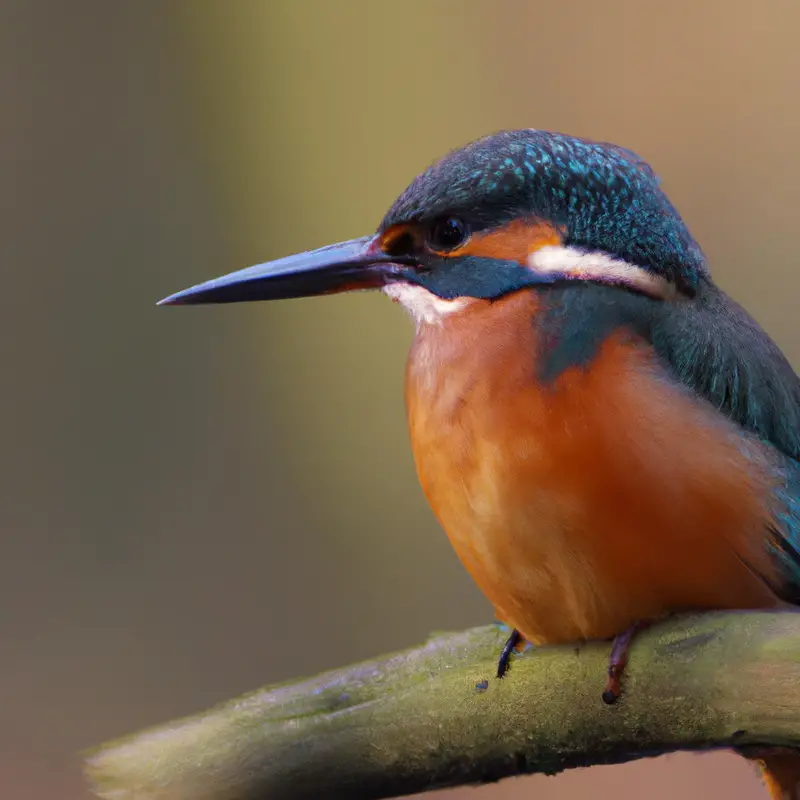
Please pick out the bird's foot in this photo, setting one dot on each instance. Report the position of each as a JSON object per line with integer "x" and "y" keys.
{"x": 513, "y": 643}
{"x": 620, "y": 650}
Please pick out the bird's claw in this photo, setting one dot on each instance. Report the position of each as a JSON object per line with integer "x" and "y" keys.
{"x": 505, "y": 656}
{"x": 618, "y": 660}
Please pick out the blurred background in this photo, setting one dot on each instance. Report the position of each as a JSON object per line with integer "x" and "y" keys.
{"x": 196, "y": 502}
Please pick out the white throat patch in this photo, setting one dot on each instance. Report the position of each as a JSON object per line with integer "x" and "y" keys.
{"x": 424, "y": 306}
{"x": 589, "y": 266}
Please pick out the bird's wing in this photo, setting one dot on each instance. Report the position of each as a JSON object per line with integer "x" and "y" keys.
{"x": 718, "y": 350}
{"x": 712, "y": 346}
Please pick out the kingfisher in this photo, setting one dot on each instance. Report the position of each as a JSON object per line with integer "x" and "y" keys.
{"x": 604, "y": 435}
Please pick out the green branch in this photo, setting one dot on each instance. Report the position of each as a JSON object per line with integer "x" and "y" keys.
{"x": 420, "y": 720}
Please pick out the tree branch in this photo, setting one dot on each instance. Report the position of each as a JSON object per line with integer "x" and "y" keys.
{"x": 420, "y": 720}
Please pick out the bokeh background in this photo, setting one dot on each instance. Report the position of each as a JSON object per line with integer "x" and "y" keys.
{"x": 196, "y": 502}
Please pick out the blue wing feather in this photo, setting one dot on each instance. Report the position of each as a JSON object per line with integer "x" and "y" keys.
{"x": 711, "y": 345}
{"x": 717, "y": 349}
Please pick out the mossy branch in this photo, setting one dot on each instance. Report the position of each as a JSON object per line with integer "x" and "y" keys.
{"x": 421, "y": 720}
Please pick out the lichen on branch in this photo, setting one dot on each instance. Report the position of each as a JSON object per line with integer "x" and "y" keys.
{"x": 435, "y": 716}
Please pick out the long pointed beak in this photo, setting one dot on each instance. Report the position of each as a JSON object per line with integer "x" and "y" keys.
{"x": 357, "y": 264}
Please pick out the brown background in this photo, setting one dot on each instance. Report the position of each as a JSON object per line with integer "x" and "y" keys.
{"x": 198, "y": 502}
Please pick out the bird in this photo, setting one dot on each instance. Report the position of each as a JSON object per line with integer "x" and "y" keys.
{"x": 605, "y": 436}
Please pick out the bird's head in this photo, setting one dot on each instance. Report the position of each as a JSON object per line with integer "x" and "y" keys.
{"x": 514, "y": 210}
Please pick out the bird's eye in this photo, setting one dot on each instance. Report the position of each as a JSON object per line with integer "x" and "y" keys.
{"x": 447, "y": 233}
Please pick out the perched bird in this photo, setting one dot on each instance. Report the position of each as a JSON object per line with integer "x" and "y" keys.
{"x": 604, "y": 435}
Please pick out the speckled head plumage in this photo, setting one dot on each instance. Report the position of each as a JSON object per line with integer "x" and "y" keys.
{"x": 604, "y": 198}
{"x": 517, "y": 209}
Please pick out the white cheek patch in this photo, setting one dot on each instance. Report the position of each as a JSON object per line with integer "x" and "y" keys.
{"x": 424, "y": 306}
{"x": 572, "y": 262}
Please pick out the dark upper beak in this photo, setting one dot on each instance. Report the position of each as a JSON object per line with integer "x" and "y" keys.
{"x": 357, "y": 264}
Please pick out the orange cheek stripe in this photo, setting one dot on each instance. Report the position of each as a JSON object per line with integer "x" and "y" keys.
{"x": 513, "y": 242}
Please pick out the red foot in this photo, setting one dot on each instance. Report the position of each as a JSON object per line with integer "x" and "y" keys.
{"x": 618, "y": 660}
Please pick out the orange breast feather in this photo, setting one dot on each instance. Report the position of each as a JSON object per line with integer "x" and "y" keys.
{"x": 611, "y": 495}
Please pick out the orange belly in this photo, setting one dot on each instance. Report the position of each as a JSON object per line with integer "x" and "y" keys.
{"x": 609, "y": 496}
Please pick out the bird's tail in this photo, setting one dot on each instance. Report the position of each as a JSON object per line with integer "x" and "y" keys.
{"x": 781, "y": 772}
